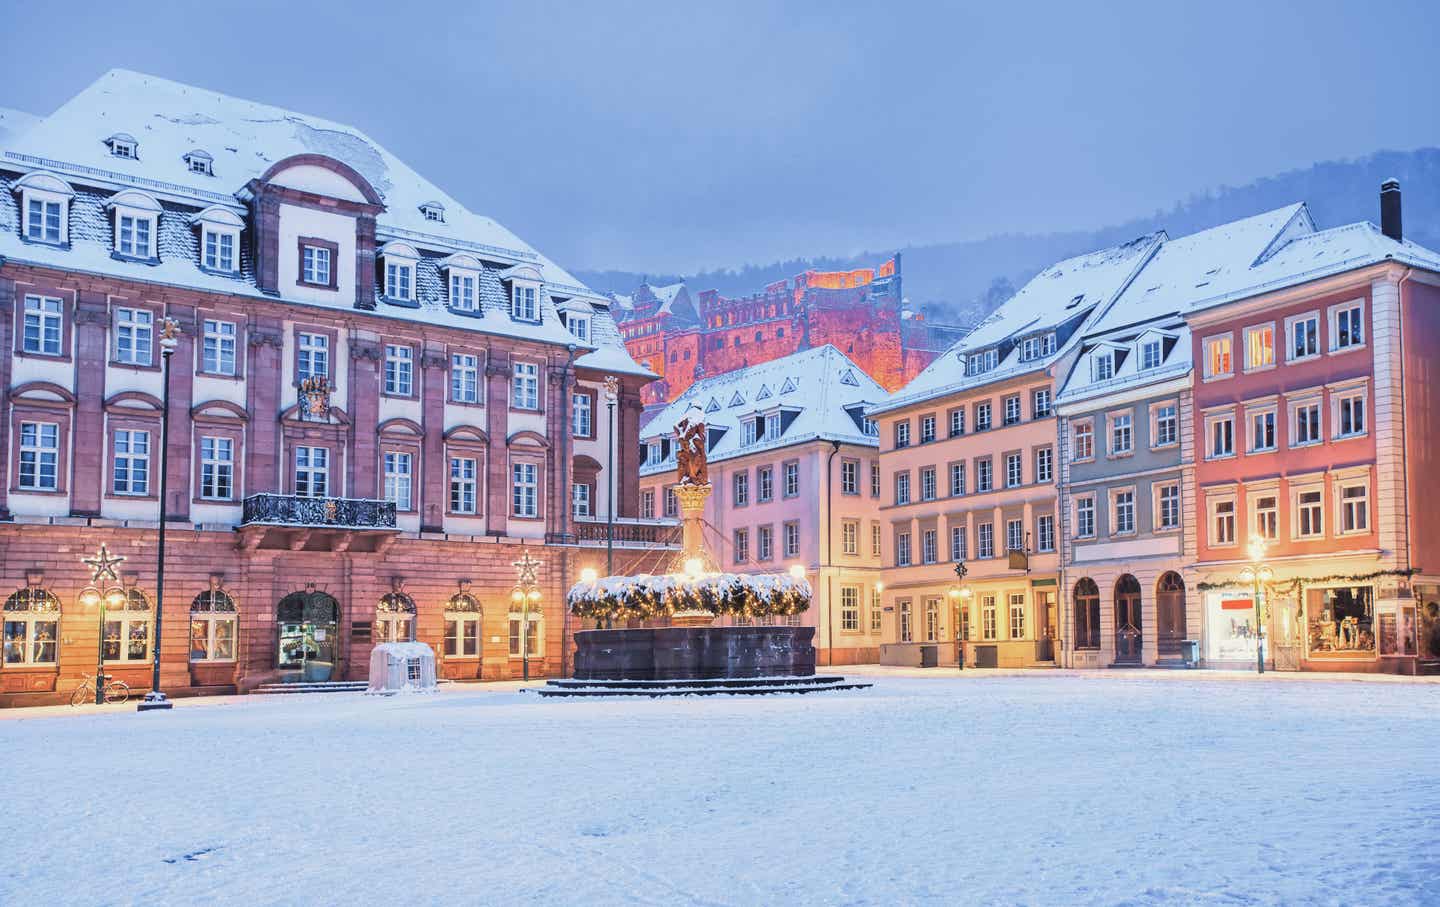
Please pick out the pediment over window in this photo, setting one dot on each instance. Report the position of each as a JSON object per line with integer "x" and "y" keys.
{"x": 134, "y": 200}
{"x": 397, "y": 249}
{"x": 42, "y": 392}
{"x": 402, "y": 427}
{"x": 460, "y": 261}
{"x": 134, "y": 401}
{"x": 42, "y": 181}
{"x": 526, "y": 438}
{"x": 224, "y": 410}
{"x": 467, "y": 433}
{"x": 219, "y": 216}
{"x": 521, "y": 272}
{"x": 322, "y": 175}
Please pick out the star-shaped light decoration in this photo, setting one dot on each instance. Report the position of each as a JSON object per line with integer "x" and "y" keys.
{"x": 102, "y": 565}
{"x": 527, "y": 565}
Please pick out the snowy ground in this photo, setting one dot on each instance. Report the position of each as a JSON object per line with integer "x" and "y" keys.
{"x": 1033, "y": 789}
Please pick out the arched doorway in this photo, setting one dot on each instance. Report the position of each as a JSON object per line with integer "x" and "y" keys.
{"x": 1169, "y": 615}
{"x": 1087, "y": 614}
{"x": 308, "y": 625}
{"x": 1129, "y": 637}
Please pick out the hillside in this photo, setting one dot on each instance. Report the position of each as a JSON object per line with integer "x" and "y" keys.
{"x": 967, "y": 279}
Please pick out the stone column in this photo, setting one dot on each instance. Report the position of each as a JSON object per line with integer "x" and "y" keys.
{"x": 87, "y": 467}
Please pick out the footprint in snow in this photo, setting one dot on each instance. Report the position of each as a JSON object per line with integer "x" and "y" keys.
{"x": 193, "y": 856}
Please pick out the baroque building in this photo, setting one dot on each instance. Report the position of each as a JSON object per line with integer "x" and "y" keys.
{"x": 377, "y": 401}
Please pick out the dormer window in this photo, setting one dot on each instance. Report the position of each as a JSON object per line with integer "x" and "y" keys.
{"x": 980, "y": 363}
{"x": 123, "y": 144}
{"x": 218, "y": 250}
{"x": 400, "y": 261}
{"x": 1151, "y": 353}
{"x": 1104, "y": 365}
{"x": 524, "y": 305}
{"x": 315, "y": 265}
{"x": 45, "y": 208}
{"x": 463, "y": 277}
{"x": 579, "y": 325}
{"x": 219, "y": 239}
{"x": 433, "y": 212}
{"x": 200, "y": 162}
{"x": 772, "y": 426}
{"x": 136, "y": 224}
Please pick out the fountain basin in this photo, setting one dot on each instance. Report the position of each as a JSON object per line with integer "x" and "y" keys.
{"x": 679, "y": 653}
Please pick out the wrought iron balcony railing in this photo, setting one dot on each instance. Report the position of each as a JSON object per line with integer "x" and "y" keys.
{"x": 337, "y": 513}
{"x": 628, "y": 531}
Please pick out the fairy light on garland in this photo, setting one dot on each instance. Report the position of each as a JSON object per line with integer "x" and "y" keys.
{"x": 1298, "y": 584}
{"x": 648, "y": 597}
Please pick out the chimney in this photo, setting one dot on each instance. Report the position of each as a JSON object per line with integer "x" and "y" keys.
{"x": 1390, "y": 209}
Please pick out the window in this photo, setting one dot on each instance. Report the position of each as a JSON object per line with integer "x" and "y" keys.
{"x": 462, "y": 291}
{"x": 765, "y": 484}
{"x": 131, "y": 473}
{"x": 1262, "y": 430}
{"x": 959, "y": 549}
{"x": 397, "y": 479}
{"x": 747, "y": 432}
{"x": 1030, "y": 349}
{"x": 850, "y": 537}
{"x": 932, "y": 619}
{"x": 985, "y": 540}
{"x": 122, "y": 146}
{"x": 1083, "y": 436}
{"x": 313, "y": 356}
{"x": 39, "y": 456}
{"x": 647, "y": 504}
{"x": 1305, "y": 423}
{"x": 579, "y": 326}
{"x": 1014, "y": 535}
{"x": 907, "y": 630}
{"x": 902, "y": 549}
{"x": 581, "y": 422}
{"x": 1085, "y": 516}
{"x": 1354, "y": 507}
{"x": 742, "y": 546}
{"x": 772, "y": 426}
{"x": 1347, "y": 326}
{"x": 927, "y": 483}
{"x": 1012, "y": 409}
{"x": 791, "y": 533}
{"x": 874, "y": 480}
{"x": 984, "y": 477}
{"x": 464, "y": 378}
{"x": 580, "y": 499}
{"x": 982, "y": 362}
{"x": 1124, "y": 512}
{"x": 982, "y": 416}
{"x": 957, "y": 479}
{"x": 1222, "y": 436}
{"x": 1265, "y": 516}
{"x": 792, "y": 479}
{"x": 312, "y": 472}
{"x": 929, "y": 547}
{"x": 1167, "y": 506}
{"x": 1122, "y": 434}
{"x": 902, "y": 487}
{"x": 1259, "y": 347}
{"x": 927, "y": 429}
{"x": 219, "y": 250}
{"x": 957, "y": 422}
{"x": 740, "y": 488}
{"x": 463, "y": 485}
{"x": 1013, "y": 474}
{"x": 1304, "y": 332}
{"x": 134, "y": 235}
{"x": 127, "y": 629}
{"x": 1218, "y": 363}
{"x": 217, "y": 468}
{"x": 531, "y": 624}
{"x": 399, "y": 370}
{"x": 1017, "y": 615}
{"x": 315, "y": 265}
{"x": 1045, "y": 532}
{"x": 1104, "y": 365}
{"x": 988, "y": 627}
{"x": 1087, "y": 614}
{"x": 849, "y": 476}
{"x": 525, "y": 386}
{"x": 1222, "y": 522}
{"x": 42, "y": 219}
{"x": 672, "y": 503}
{"x": 134, "y": 336}
{"x": 1045, "y": 464}
{"x": 217, "y": 347}
{"x": 875, "y": 540}
{"x": 1040, "y": 403}
{"x": 522, "y": 304}
{"x": 212, "y": 626}
{"x": 1309, "y": 513}
{"x": 877, "y": 613}
{"x": 765, "y": 543}
{"x": 43, "y": 326}
{"x": 524, "y": 490}
{"x": 398, "y": 279}
{"x": 1350, "y": 414}
{"x": 902, "y": 434}
{"x": 462, "y": 627}
{"x": 1152, "y": 353}
{"x": 31, "y": 627}
{"x": 850, "y": 609}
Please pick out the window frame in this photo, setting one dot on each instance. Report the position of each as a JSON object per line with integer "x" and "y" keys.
{"x": 1254, "y": 330}
{"x": 1291, "y": 322}
{"x": 1209, "y": 372}
{"x": 1156, "y": 421}
{"x": 331, "y": 258}
{"x": 1332, "y": 317}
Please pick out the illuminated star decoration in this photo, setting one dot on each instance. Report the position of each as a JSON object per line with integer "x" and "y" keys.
{"x": 527, "y": 565}
{"x": 103, "y": 565}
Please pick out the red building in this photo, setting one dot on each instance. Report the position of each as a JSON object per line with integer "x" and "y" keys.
{"x": 377, "y": 401}
{"x": 862, "y": 313}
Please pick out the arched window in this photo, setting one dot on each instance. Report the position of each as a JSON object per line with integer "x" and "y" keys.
{"x": 1087, "y": 614}
{"x": 127, "y": 629}
{"x": 395, "y": 618}
{"x": 212, "y": 626}
{"x": 32, "y": 625}
{"x": 462, "y": 626}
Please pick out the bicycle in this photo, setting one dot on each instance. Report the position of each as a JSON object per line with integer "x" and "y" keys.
{"x": 115, "y": 691}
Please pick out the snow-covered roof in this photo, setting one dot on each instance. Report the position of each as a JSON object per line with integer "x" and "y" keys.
{"x": 667, "y": 295}
{"x": 1126, "y": 346}
{"x": 13, "y": 123}
{"x": 1058, "y": 295}
{"x": 824, "y": 390}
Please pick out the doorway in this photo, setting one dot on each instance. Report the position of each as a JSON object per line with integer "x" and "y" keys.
{"x": 1045, "y": 619}
{"x": 308, "y": 636}
{"x": 1170, "y": 615}
{"x": 1129, "y": 638}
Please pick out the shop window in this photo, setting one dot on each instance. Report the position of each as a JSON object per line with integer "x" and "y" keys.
{"x": 395, "y": 618}
{"x": 212, "y": 626}
{"x": 1341, "y": 621}
{"x": 463, "y": 617}
{"x": 127, "y": 629}
{"x": 31, "y": 627}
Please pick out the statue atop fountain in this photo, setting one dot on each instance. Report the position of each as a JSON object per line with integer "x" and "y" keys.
{"x": 693, "y": 469}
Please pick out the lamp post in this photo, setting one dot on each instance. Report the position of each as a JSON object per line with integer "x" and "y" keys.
{"x": 98, "y": 594}
{"x": 960, "y": 596}
{"x": 169, "y": 341}
{"x": 1258, "y": 573}
{"x": 612, "y": 393}
{"x": 525, "y": 594}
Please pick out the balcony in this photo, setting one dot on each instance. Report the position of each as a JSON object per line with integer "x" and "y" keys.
{"x": 294, "y": 523}
{"x": 629, "y": 532}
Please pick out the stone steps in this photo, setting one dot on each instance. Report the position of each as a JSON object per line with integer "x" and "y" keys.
{"x": 332, "y": 686}
{"x": 736, "y": 686}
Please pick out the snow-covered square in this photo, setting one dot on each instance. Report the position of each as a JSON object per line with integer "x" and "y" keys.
{"x": 1034, "y": 789}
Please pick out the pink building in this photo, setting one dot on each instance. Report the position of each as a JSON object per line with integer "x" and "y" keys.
{"x": 793, "y": 462}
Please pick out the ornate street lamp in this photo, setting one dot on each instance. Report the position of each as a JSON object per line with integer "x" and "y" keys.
{"x": 612, "y": 393}
{"x": 104, "y": 589}
{"x": 1258, "y": 573}
{"x": 960, "y": 599}
{"x": 525, "y": 596}
{"x": 169, "y": 341}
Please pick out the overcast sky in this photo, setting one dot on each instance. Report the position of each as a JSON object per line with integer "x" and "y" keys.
{"x": 676, "y": 136}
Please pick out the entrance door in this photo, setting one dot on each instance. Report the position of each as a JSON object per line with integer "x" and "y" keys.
{"x": 1045, "y": 626}
{"x": 308, "y": 628}
{"x": 1170, "y": 615}
{"x": 1128, "y": 636}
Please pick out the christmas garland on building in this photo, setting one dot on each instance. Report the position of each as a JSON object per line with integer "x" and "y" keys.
{"x": 649, "y": 597}
{"x": 1297, "y": 584}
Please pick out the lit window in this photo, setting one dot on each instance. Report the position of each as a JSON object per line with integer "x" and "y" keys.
{"x": 850, "y": 608}
{"x": 1017, "y": 615}
{"x": 43, "y": 326}
{"x": 134, "y": 336}
{"x": 131, "y": 473}
{"x": 1218, "y": 363}
{"x": 988, "y": 625}
{"x": 1083, "y": 441}
{"x": 462, "y": 627}
{"x": 32, "y": 627}
{"x": 213, "y": 621}
{"x": 127, "y": 630}
{"x": 1259, "y": 347}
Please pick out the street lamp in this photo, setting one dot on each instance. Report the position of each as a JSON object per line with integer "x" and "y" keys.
{"x": 169, "y": 341}
{"x": 525, "y": 595}
{"x": 1257, "y": 574}
{"x": 612, "y": 393}
{"x": 98, "y": 594}
{"x": 960, "y": 598}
